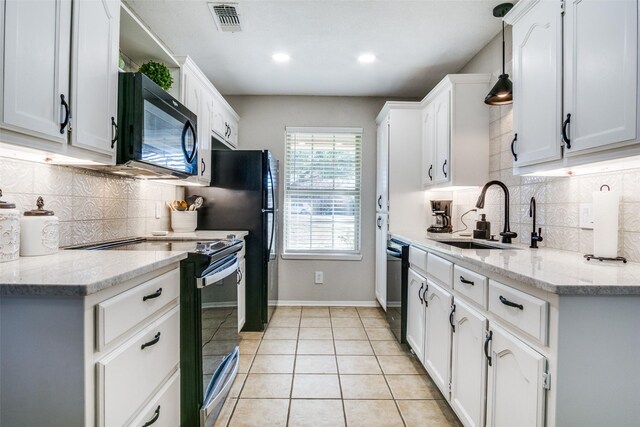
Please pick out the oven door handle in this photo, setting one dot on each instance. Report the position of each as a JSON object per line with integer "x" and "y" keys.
{"x": 214, "y": 277}
{"x": 214, "y": 400}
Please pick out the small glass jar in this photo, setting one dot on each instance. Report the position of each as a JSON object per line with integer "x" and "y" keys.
{"x": 40, "y": 231}
{"x": 9, "y": 231}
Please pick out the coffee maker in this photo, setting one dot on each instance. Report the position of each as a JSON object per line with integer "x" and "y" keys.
{"x": 442, "y": 216}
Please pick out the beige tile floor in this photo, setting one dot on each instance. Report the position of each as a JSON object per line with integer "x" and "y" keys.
{"x": 338, "y": 366}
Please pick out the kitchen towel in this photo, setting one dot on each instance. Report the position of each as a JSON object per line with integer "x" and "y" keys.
{"x": 605, "y": 223}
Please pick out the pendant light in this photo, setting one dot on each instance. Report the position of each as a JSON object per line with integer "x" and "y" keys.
{"x": 502, "y": 92}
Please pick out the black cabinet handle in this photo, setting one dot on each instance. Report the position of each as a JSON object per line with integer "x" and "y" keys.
{"x": 67, "y": 114}
{"x": 510, "y": 304}
{"x": 453, "y": 311}
{"x": 203, "y": 166}
{"x": 380, "y": 201}
{"x": 152, "y": 342}
{"x": 420, "y": 296}
{"x": 156, "y": 294}
{"x": 443, "y": 166}
{"x": 114, "y": 132}
{"x": 379, "y": 222}
{"x": 487, "y": 339}
{"x": 565, "y": 137}
{"x": 156, "y": 415}
{"x": 430, "y": 176}
{"x": 468, "y": 282}
{"x": 239, "y": 275}
{"x": 513, "y": 151}
{"x": 424, "y": 295}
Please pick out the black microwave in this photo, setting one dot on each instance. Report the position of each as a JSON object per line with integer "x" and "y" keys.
{"x": 157, "y": 135}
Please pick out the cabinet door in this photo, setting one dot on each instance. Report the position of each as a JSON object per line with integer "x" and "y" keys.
{"x": 233, "y": 132}
{"x": 468, "y": 365}
{"x": 96, "y": 26}
{"x": 537, "y": 83}
{"x": 204, "y": 139}
{"x": 428, "y": 145}
{"x": 242, "y": 292}
{"x": 382, "y": 181}
{"x": 601, "y": 72}
{"x": 515, "y": 392}
{"x": 37, "y": 48}
{"x": 416, "y": 313}
{"x": 437, "y": 346}
{"x": 381, "y": 260}
{"x": 442, "y": 132}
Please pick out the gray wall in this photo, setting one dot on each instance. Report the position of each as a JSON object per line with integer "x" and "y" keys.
{"x": 262, "y": 123}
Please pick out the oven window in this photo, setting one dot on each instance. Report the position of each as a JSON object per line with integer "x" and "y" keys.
{"x": 219, "y": 317}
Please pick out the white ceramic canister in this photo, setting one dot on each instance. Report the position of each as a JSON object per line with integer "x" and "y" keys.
{"x": 40, "y": 231}
{"x": 9, "y": 231}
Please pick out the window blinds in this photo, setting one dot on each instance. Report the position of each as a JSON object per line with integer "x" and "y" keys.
{"x": 323, "y": 169}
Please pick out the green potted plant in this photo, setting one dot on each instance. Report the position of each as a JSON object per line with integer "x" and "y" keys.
{"x": 158, "y": 73}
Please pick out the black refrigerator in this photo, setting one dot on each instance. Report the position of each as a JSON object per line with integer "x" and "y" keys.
{"x": 243, "y": 195}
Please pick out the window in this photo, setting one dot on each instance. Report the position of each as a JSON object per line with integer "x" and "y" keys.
{"x": 322, "y": 190}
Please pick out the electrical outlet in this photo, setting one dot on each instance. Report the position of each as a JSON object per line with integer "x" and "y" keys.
{"x": 586, "y": 219}
{"x": 319, "y": 278}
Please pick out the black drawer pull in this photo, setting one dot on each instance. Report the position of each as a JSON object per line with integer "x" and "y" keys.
{"x": 380, "y": 202}
{"x": 565, "y": 136}
{"x": 114, "y": 132}
{"x": 156, "y": 415}
{"x": 443, "y": 166}
{"x": 487, "y": 339}
{"x": 468, "y": 282}
{"x": 152, "y": 342}
{"x": 67, "y": 114}
{"x": 513, "y": 151}
{"x": 238, "y": 276}
{"x": 510, "y": 304}
{"x": 430, "y": 176}
{"x": 156, "y": 294}
{"x": 420, "y": 296}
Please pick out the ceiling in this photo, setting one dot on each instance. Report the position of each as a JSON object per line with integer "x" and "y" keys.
{"x": 416, "y": 43}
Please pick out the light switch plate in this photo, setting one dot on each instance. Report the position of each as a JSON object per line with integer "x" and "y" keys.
{"x": 319, "y": 278}
{"x": 586, "y": 220}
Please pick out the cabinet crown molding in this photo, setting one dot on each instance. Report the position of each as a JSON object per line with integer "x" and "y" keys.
{"x": 521, "y": 8}
{"x": 453, "y": 79}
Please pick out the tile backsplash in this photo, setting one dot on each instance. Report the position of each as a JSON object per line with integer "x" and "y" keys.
{"x": 92, "y": 206}
{"x": 558, "y": 199}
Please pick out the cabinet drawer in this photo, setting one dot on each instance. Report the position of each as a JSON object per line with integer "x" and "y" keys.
{"x": 529, "y": 314}
{"x": 440, "y": 269}
{"x": 470, "y": 284}
{"x": 123, "y": 312}
{"x": 418, "y": 259}
{"x": 164, "y": 408}
{"x": 132, "y": 372}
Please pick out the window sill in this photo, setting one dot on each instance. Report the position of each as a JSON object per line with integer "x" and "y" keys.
{"x": 323, "y": 257}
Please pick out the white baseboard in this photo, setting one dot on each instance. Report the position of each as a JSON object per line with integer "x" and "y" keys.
{"x": 294, "y": 303}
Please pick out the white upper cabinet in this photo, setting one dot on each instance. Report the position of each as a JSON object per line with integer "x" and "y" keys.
{"x": 94, "y": 75}
{"x": 575, "y": 76}
{"x": 455, "y": 133}
{"x": 37, "y": 49}
{"x": 600, "y": 73}
{"x": 516, "y": 389}
{"x": 537, "y": 83}
{"x": 60, "y": 76}
{"x": 382, "y": 158}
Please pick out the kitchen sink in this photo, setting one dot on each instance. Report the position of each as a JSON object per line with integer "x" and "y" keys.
{"x": 469, "y": 244}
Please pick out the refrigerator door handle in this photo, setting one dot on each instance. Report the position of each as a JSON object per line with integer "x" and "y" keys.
{"x": 271, "y": 211}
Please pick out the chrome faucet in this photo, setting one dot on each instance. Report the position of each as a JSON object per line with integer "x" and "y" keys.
{"x": 535, "y": 237}
{"x": 506, "y": 234}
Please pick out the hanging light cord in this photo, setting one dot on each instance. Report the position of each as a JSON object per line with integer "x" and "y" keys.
{"x": 462, "y": 221}
{"x": 503, "y": 45}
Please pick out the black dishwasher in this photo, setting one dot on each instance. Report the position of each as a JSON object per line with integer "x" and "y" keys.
{"x": 397, "y": 281}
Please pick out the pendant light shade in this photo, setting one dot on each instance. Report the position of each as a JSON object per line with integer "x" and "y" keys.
{"x": 502, "y": 92}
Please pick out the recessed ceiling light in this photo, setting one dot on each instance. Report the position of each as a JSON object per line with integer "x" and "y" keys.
{"x": 281, "y": 57}
{"x": 367, "y": 58}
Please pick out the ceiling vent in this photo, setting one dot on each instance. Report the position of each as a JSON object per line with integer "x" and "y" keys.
{"x": 227, "y": 16}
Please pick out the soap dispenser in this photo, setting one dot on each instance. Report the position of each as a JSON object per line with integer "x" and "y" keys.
{"x": 483, "y": 228}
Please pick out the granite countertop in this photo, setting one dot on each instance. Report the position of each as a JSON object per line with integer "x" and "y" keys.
{"x": 80, "y": 272}
{"x": 553, "y": 270}
{"x": 199, "y": 235}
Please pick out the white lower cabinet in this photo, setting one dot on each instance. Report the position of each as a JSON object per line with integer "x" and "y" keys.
{"x": 516, "y": 389}
{"x": 381, "y": 259}
{"x": 468, "y": 365}
{"x": 164, "y": 410}
{"x": 242, "y": 292}
{"x": 437, "y": 348}
{"x": 415, "y": 313}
